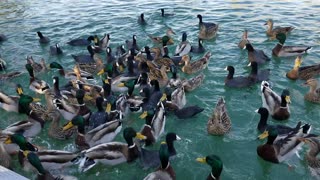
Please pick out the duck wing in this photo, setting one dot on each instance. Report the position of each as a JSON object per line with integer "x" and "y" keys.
{"x": 295, "y": 49}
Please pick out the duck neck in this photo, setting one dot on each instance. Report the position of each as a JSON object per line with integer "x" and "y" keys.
{"x": 313, "y": 89}
{"x": 81, "y": 130}
{"x": 263, "y": 121}
{"x": 230, "y": 74}
{"x": 148, "y": 120}
{"x": 99, "y": 107}
{"x": 174, "y": 75}
{"x": 165, "y": 163}
{"x": 254, "y": 69}
{"x": 200, "y": 19}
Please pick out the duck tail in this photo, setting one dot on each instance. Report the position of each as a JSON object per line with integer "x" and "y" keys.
{"x": 308, "y": 49}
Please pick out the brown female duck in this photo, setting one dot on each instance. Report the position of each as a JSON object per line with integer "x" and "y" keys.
{"x": 314, "y": 92}
{"x": 195, "y": 66}
{"x": 272, "y": 32}
{"x": 219, "y": 123}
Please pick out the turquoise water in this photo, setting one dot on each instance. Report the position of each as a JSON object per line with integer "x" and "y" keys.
{"x": 69, "y": 19}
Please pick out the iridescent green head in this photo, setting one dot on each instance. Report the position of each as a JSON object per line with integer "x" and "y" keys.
{"x": 164, "y": 155}
{"x": 30, "y": 69}
{"x": 215, "y": 162}
{"x": 165, "y": 39}
{"x": 21, "y": 141}
{"x": 34, "y": 161}
{"x": 55, "y": 65}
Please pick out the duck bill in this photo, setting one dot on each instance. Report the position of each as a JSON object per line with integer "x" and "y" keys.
{"x": 108, "y": 108}
{"x": 140, "y": 136}
{"x": 25, "y": 153}
{"x": 288, "y": 99}
{"x": 96, "y": 40}
{"x": 257, "y": 110}
{"x": 8, "y": 141}
{"x": 87, "y": 97}
{"x": 263, "y": 135}
{"x": 164, "y": 97}
{"x": 20, "y": 91}
{"x": 121, "y": 85}
{"x": 170, "y": 41}
{"x": 178, "y": 138}
{"x": 67, "y": 126}
{"x": 143, "y": 115}
{"x": 36, "y": 99}
{"x": 100, "y": 72}
{"x": 201, "y": 160}
{"x": 226, "y": 68}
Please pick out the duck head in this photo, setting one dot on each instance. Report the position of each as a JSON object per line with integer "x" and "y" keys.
{"x": 216, "y": 164}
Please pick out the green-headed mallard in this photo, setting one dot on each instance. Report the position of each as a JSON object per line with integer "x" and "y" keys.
{"x": 236, "y": 82}
{"x": 36, "y": 85}
{"x": 207, "y": 30}
{"x": 81, "y": 42}
{"x": 278, "y": 106}
{"x": 102, "y": 134}
{"x": 112, "y": 153}
{"x": 165, "y": 171}
{"x": 311, "y": 156}
{"x": 272, "y": 32}
{"x": 157, "y": 39}
{"x": 55, "y": 50}
{"x": 193, "y": 83}
{"x": 305, "y": 72}
{"x": 195, "y": 66}
{"x": 244, "y": 40}
{"x": 43, "y": 39}
{"x": 314, "y": 92}
{"x": 277, "y": 150}
{"x": 216, "y": 164}
{"x": 56, "y": 131}
{"x": 199, "y": 48}
{"x": 37, "y": 67}
{"x": 255, "y": 55}
{"x": 71, "y": 74}
{"x": 184, "y": 47}
{"x": 219, "y": 123}
{"x": 284, "y": 51}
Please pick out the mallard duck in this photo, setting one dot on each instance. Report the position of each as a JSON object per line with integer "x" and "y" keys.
{"x": 150, "y": 158}
{"x": 199, "y": 48}
{"x": 195, "y": 66}
{"x": 175, "y": 80}
{"x": 219, "y": 123}
{"x": 255, "y": 55}
{"x": 132, "y": 44}
{"x": 236, "y": 82}
{"x": 184, "y": 47}
{"x": 207, "y": 30}
{"x": 71, "y": 74}
{"x": 160, "y": 75}
{"x": 258, "y": 76}
{"x": 3, "y": 37}
{"x": 263, "y": 125}
{"x": 36, "y": 85}
{"x": 81, "y": 42}
{"x": 278, "y": 106}
{"x": 112, "y": 153}
{"x": 37, "y": 67}
{"x": 193, "y": 83}
{"x": 311, "y": 156}
{"x": 277, "y": 151}
{"x": 284, "y": 51}
{"x": 188, "y": 112}
{"x": 36, "y": 162}
{"x": 305, "y": 72}
{"x": 141, "y": 20}
{"x": 169, "y": 39}
{"x": 55, "y": 50}
{"x": 314, "y": 92}
{"x": 272, "y": 33}
{"x": 104, "y": 133}
{"x": 165, "y": 171}
{"x": 43, "y": 39}
{"x": 216, "y": 164}
{"x": 166, "y": 61}
{"x": 56, "y": 131}
{"x": 9, "y": 75}
{"x": 244, "y": 40}
{"x": 165, "y": 14}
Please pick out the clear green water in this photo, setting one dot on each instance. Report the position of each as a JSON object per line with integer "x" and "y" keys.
{"x": 68, "y": 19}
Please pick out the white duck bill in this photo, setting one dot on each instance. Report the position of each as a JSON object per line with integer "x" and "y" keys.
{"x": 249, "y": 64}
{"x": 256, "y": 110}
{"x": 178, "y": 138}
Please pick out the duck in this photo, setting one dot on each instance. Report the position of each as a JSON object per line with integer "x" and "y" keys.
{"x": 147, "y": 129}
{"x": 36, "y": 85}
{"x": 150, "y": 158}
{"x": 165, "y": 171}
{"x": 216, "y": 164}
{"x": 175, "y": 80}
{"x": 55, "y": 50}
{"x": 207, "y": 30}
{"x": 219, "y": 123}
{"x": 112, "y": 153}
{"x": 244, "y": 40}
{"x": 236, "y": 82}
{"x": 184, "y": 47}
{"x": 90, "y": 58}
{"x": 71, "y": 74}
{"x": 278, "y": 106}
{"x": 195, "y": 66}
{"x": 258, "y": 76}
{"x": 165, "y": 14}
{"x": 3, "y": 37}
{"x": 311, "y": 156}
{"x": 178, "y": 97}
{"x": 188, "y": 112}
{"x": 100, "y": 45}
{"x": 81, "y": 42}
{"x": 286, "y": 51}
{"x": 263, "y": 125}
{"x": 10, "y": 75}
{"x": 277, "y": 151}
{"x": 56, "y": 131}
{"x": 100, "y": 116}
{"x": 3, "y": 64}
{"x": 103, "y": 133}
{"x": 255, "y": 55}
{"x": 198, "y": 49}
{"x": 35, "y": 162}
{"x": 160, "y": 75}
{"x": 43, "y": 39}
{"x": 272, "y": 32}
{"x": 305, "y": 72}
{"x": 158, "y": 60}
{"x": 193, "y": 83}
{"x": 314, "y": 92}
{"x": 121, "y": 51}
{"x": 168, "y": 36}
{"x": 132, "y": 44}
{"x": 141, "y": 20}
{"x": 37, "y": 67}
